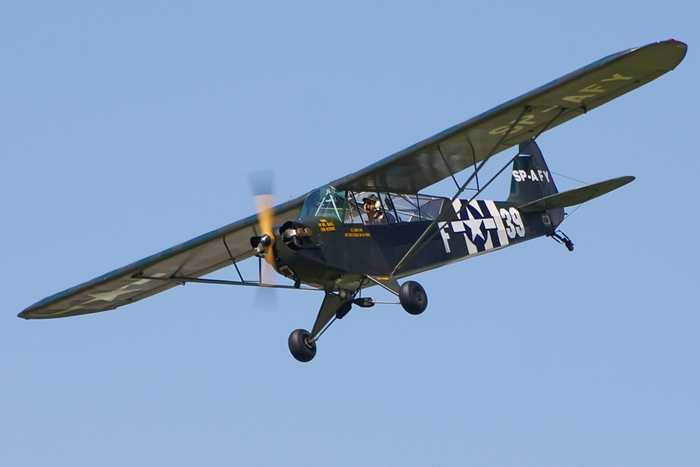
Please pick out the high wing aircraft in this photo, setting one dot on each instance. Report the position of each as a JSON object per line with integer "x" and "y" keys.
{"x": 373, "y": 227}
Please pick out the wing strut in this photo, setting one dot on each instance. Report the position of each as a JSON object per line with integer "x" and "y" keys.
{"x": 474, "y": 157}
{"x": 233, "y": 260}
{"x": 411, "y": 251}
{"x": 197, "y": 280}
{"x": 419, "y": 244}
{"x": 448, "y": 167}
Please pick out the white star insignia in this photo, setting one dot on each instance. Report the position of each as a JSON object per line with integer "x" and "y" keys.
{"x": 475, "y": 227}
{"x": 116, "y": 293}
{"x": 111, "y": 295}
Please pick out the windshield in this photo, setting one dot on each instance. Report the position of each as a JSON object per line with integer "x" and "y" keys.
{"x": 326, "y": 202}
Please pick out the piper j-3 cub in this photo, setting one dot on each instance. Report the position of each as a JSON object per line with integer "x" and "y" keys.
{"x": 373, "y": 227}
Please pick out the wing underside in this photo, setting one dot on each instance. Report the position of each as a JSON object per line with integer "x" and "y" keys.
{"x": 192, "y": 259}
{"x": 513, "y": 122}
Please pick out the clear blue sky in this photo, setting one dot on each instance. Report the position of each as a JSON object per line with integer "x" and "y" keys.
{"x": 128, "y": 128}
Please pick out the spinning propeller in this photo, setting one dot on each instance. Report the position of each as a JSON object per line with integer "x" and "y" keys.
{"x": 261, "y": 183}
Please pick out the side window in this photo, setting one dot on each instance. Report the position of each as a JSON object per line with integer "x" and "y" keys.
{"x": 353, "y": 212}
{"x": 365, "y": 207}
{"x": 368, "y": 208}
{"x": 416, "y": 208}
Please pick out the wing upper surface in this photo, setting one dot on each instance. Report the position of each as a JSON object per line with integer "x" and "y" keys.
{"x": 475, "y": 140}
{"x": 192, "y": 259}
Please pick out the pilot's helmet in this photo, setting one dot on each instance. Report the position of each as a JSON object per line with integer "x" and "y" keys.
{"x": 371, "y": 199}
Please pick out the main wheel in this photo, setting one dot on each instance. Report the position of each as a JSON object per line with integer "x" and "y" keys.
{"x": 413, "y": 298}
{"x": 300, "y": 347}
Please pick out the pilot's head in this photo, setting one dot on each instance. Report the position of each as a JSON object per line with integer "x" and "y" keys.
{"x": 371, "y": 203}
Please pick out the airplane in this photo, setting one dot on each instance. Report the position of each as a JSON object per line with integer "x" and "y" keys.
{"x": 374, "y": 227}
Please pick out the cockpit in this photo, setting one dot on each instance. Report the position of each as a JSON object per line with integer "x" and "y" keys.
{"x": 370, "y": 207}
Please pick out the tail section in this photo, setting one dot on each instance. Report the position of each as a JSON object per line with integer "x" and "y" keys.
{"x": 531, "y": 179}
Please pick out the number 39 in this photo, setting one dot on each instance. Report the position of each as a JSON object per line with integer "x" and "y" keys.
{"x": 514, "y": 223}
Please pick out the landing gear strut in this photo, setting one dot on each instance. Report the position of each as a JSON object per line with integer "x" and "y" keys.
{"x": 302, "y": 343}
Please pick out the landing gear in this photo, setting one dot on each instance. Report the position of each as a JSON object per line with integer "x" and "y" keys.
{"x": 302, "y": 343}
{"x": 413, "y": 298}
{"x": 561, "y": 238}
{"x": 301, "y": 347}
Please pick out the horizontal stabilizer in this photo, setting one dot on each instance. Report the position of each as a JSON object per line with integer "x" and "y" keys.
{"x": 576, "y": 196}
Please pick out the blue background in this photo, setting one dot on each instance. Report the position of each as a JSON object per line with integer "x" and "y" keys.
{"x": 128, "y": 128}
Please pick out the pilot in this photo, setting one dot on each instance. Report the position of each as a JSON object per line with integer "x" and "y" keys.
{"x": 373, "y": 208}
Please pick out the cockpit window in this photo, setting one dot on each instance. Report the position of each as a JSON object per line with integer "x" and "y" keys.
{"x": 366, "y": 207}
{"x": 326, "y": 202}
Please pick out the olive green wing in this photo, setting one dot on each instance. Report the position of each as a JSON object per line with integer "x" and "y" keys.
{"x": 515, "y": 121}
{"x": 133, "y": 282}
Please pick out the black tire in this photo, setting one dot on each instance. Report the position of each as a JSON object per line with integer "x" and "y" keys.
{"x": 298, "y": 345}
{"x": 413, "y": 298}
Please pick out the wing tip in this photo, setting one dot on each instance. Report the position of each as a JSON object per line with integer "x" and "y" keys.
{"x": 676, "y": 51}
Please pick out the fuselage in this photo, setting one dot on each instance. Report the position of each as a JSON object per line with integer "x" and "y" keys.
{"x": 335, "y": 254}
